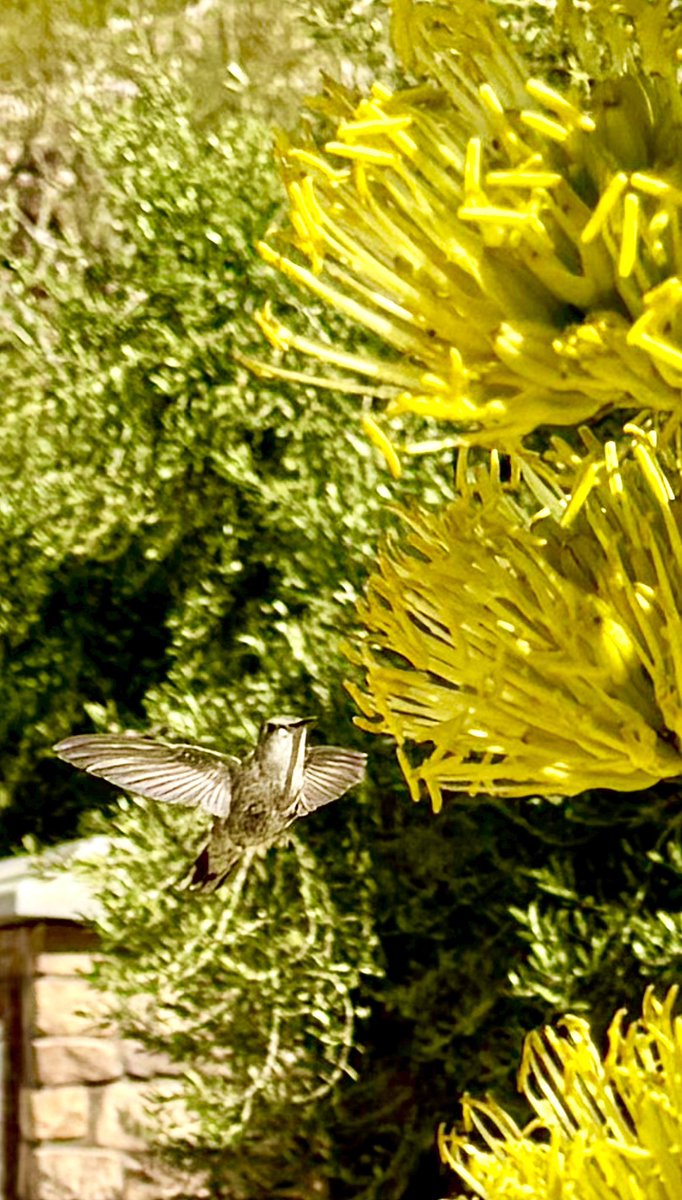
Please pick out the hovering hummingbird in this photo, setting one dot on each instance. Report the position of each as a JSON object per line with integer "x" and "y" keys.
{"x": 252, "y": 800}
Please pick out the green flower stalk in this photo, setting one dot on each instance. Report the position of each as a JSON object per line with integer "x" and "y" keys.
{"x": 527, "y": 638}
{"x": 602, "y": 1130}
{"x": 515, "y": 252}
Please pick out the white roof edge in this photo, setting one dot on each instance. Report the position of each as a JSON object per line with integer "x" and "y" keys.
{"x": 41, "y": 887}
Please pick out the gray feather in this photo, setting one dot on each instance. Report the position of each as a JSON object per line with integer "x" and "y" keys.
{"x": 328, "y": 772}
{"x": 174, "y": 773}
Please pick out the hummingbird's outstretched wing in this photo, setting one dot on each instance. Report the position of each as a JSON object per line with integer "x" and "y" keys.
{"x": 174, "y": 774}
{"x": 328, "y": 772}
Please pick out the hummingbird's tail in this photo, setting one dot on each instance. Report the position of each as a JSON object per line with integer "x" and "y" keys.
{"x": 211, "y": 870}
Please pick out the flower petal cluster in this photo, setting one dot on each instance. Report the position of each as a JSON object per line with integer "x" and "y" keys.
{"x": 527, "y": 639}
{"x": 603, "y": 1129}
{"x": 515, "y": 252}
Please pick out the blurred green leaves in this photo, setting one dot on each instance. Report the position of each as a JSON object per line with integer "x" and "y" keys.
{"x": 251, "y": 995}
{"x": 179, "y": 543}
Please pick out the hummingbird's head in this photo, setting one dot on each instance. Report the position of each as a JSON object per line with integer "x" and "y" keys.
{"x": 282, "y": 740}
{"x": 283, "y": 725}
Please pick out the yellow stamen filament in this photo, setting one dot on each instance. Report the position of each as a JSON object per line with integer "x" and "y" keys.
{"x": 315, "y": 162}
{"x": 368, "y": 154}
{"x": 667, "y": 293}
{"x": 379, "y": 439}
{"x": 660, "y": 349}
{"x": 544, "y": 125}
{"x": 427, "y": 406}
{"x": 580, "y": 493}
{"x": 540, "y": 91}
{"x": 493, "y": 215}
{"x": 350, "y": 130}
{"x": 285, "y": 339}
{"x": 614, "y": 477}
{"x": 654, "y": 476}
{"x": 605, "y": 204}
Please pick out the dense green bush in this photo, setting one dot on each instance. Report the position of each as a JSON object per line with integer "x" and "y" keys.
{"x": 253, "y": 995}
{"x": 171, "y": 529}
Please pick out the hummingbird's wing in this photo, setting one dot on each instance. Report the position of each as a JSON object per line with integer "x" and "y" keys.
{"x": 174, "y": 774}
{"x": 328, "y": 772}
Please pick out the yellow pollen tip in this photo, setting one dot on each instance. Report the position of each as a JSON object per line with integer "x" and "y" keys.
{"x": 628, "y": 243}
{"x": 490, "y": 100}
{"x": 472, "y": 167}
{"x": 545, "y": 125}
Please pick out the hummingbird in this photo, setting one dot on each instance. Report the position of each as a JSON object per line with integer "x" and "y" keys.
{"x": 252, "y": 800}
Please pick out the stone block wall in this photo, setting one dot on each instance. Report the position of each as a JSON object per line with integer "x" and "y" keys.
{"x": 74, "y": 1089}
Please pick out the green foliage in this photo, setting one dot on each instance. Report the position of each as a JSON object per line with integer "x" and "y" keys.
{"x": 530, "y": 26}
{"x": 605, "y": 922}
{"x": 252, "y": 994}
{"x": 358, "y": 29}
{"x": 179, "y": 542}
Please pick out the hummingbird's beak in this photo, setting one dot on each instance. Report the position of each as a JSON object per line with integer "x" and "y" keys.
{"x": 303, "y": 721}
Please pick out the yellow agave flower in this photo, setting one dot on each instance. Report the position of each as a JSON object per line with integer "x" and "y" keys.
{"x": 517, "y": 250}
{"x": 602, "y": 1130}
{"x": 513, "y": 649}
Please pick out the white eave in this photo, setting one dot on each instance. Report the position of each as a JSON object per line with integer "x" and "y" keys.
{"x": 43, "y": 888}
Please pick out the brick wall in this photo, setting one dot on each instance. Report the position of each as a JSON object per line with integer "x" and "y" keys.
{"x": 73, "y": 1087}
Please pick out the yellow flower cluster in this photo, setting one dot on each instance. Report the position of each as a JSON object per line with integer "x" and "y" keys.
{"x": 517, "y": 251}
{"x": 527, "y": 638}
{"x": 514, "y": 253}
{"x": 602, "y": 1130}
